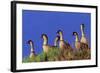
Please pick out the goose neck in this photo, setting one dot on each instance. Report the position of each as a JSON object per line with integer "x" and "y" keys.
{"x": 82, "y": 31}
{"x": 61, "y": 36}
{"x": 31, "y": 45}
{"x": 76, "y": 38}
{"x": 45, "y": 42}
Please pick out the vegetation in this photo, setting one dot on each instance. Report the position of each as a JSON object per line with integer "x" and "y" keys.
{"x": 55, "y": 54}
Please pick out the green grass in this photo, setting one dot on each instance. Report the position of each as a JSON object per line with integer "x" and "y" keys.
{"x": 55, "y": 54}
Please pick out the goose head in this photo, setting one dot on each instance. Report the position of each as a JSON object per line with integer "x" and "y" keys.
{"x": 60, "y": 32}
{"x": 75, "y": 33}
{"x": 44, "y": 36}
{"x": 30, "y": 42}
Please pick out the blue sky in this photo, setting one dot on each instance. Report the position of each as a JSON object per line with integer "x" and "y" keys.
{"x": 36, "y": 23}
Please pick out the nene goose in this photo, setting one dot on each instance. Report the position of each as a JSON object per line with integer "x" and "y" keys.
{"x": 62, "y": 44}
{"x": 32, "y": 52}
{"x": 77, "y": 42}
{"x": 79, "y": 45}
{"x": 45, "y": 46}
{"x": 83, "y": 38}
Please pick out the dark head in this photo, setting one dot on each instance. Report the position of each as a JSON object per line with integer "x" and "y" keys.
{"x": 75, "y": 33}
{"x": 30, "y": 41}
{"x": 82, "y": 26}
{"x": 44, "y": 36}
{"x": 59, "y": 32}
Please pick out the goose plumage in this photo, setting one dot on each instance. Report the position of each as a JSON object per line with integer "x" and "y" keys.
{"x": 32, "y": 52}
{"x": 79, "y": 45}
{"x": 84, "y": 42}
{"x": 83, "y": 38}
{"x": 62, "y": 44}
{"x": 77, "y": 42}
{"x": 45, "y": 46}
